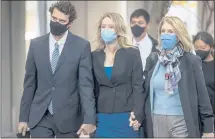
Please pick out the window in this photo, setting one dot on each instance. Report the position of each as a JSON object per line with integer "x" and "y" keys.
{"x": 31, "y": 22}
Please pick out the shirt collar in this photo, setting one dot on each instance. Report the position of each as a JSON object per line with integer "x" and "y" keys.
{"x": 141, "y": 41}
{"x": 61, "y": 41}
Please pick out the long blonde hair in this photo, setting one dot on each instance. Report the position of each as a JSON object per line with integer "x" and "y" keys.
{"x": 120, "y": 28}
{"x": 180, "y": 30}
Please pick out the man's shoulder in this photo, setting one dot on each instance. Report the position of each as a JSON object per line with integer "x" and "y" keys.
{"x": 132, "y": 50}
{"x": 78, "y": 38}
{"x": 40, "y": 38}
{"x": 153, "y": 56}
{"x": 38, "y": 41}
{"x": 97, "y": 52}
{"x": 154, "y": 41}
{"x": 46, "y": 36}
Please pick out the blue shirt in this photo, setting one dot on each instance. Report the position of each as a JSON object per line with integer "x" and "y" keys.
{"x": 108, "y": 71}
{"x": 164, "y": 103}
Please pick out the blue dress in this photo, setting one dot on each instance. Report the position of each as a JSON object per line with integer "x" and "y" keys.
{"x": 114, "y": 125}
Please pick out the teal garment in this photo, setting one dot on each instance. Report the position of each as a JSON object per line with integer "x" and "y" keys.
{"x": 108, "y": 71}
{"x": 114, "y": 125}
{"x": 162, "y": 102}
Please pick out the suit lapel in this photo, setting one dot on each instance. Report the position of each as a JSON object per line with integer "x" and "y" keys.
{"x": 68, "y": 43}
{"x": 101, "y": 60}
{"x": 47, "y": 54}
{"x": 118, "y": 65}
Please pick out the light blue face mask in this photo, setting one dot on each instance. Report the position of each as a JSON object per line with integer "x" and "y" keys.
{"x": 108, "y": 36}
{"x": 168, "y": 41}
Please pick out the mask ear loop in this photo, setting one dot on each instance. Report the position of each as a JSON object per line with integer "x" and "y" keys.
{"x": 68, "y": 24}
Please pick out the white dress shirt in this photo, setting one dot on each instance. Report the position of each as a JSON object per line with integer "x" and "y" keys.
{"x": 145, "y": 47}
{"x": 52, "y": 42}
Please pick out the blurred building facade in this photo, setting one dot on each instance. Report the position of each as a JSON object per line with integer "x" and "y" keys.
{"x": 24, "y": 20}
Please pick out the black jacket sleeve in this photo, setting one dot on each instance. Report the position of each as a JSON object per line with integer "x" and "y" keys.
{"x": 204, "y": 106}
{"x": 30, "y": 85}
{"x": 137, "y": 86}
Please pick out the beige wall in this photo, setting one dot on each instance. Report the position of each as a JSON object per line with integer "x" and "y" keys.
{"x": 133, "y": 5}
{"x": 89, "y": 13}
{"x": 79, "y": 26}
{"x": 6, "y": 112}
{"x": 13, "y": 61}
{"x": 211, "y": 26}
{"x": 0, "y": 77}
{"x": 97, "y": 8}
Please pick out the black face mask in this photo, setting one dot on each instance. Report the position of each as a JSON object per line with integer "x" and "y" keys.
{"x": 202, "y": 54}
{"x": 137, "y": 30}
{"x": 58, "y": 29}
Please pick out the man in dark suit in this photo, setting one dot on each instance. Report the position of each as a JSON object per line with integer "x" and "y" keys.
{"x": 58, "y": 99}
{"x": 139, "y": 23}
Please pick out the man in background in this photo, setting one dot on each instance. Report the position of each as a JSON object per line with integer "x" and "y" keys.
{"x": 139, "y": 23}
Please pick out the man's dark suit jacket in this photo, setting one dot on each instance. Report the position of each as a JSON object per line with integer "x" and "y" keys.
{"x": 154, "y": 44}
{"x": 124, "y": 91}
{"x": 70, "y": 87}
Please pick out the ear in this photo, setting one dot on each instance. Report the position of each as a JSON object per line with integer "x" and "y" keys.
{"x": 177, "y": 38}
{"x": 69, "y": 25}
{"x": 212, "y": 52}
{"x": 148, "y": 23}
{"x": 212, "y": 49}
{"x": 147, "y": 27}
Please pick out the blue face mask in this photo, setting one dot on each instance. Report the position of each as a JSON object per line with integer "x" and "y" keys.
{"x": 108, "y": 36}
{"x": 168, "y": 41}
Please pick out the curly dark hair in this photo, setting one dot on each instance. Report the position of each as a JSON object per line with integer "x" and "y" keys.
{"x": 65, "y": 7}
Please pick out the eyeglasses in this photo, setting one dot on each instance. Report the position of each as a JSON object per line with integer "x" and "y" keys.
{"x": 54, "y": 19}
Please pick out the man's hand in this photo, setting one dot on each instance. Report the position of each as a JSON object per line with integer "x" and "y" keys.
{"x": 134, "y": 123}
{"x": 84, "y": 136}
{"x": 22, "y": 128}
{"x": 86, "y": 129}
{"x": 208, "y": 135}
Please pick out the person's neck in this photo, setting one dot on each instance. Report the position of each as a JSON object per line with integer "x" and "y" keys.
{"x": 209, "y": 58}
{"x": 141, "y": 37}
{"x": 57, "y": 38}
{"x": 112, "y": 48}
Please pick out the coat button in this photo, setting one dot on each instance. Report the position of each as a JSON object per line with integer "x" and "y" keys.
{"x": 53, "y": 88}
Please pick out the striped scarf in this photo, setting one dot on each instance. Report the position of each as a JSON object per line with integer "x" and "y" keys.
{"x": 171, "y": 62}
